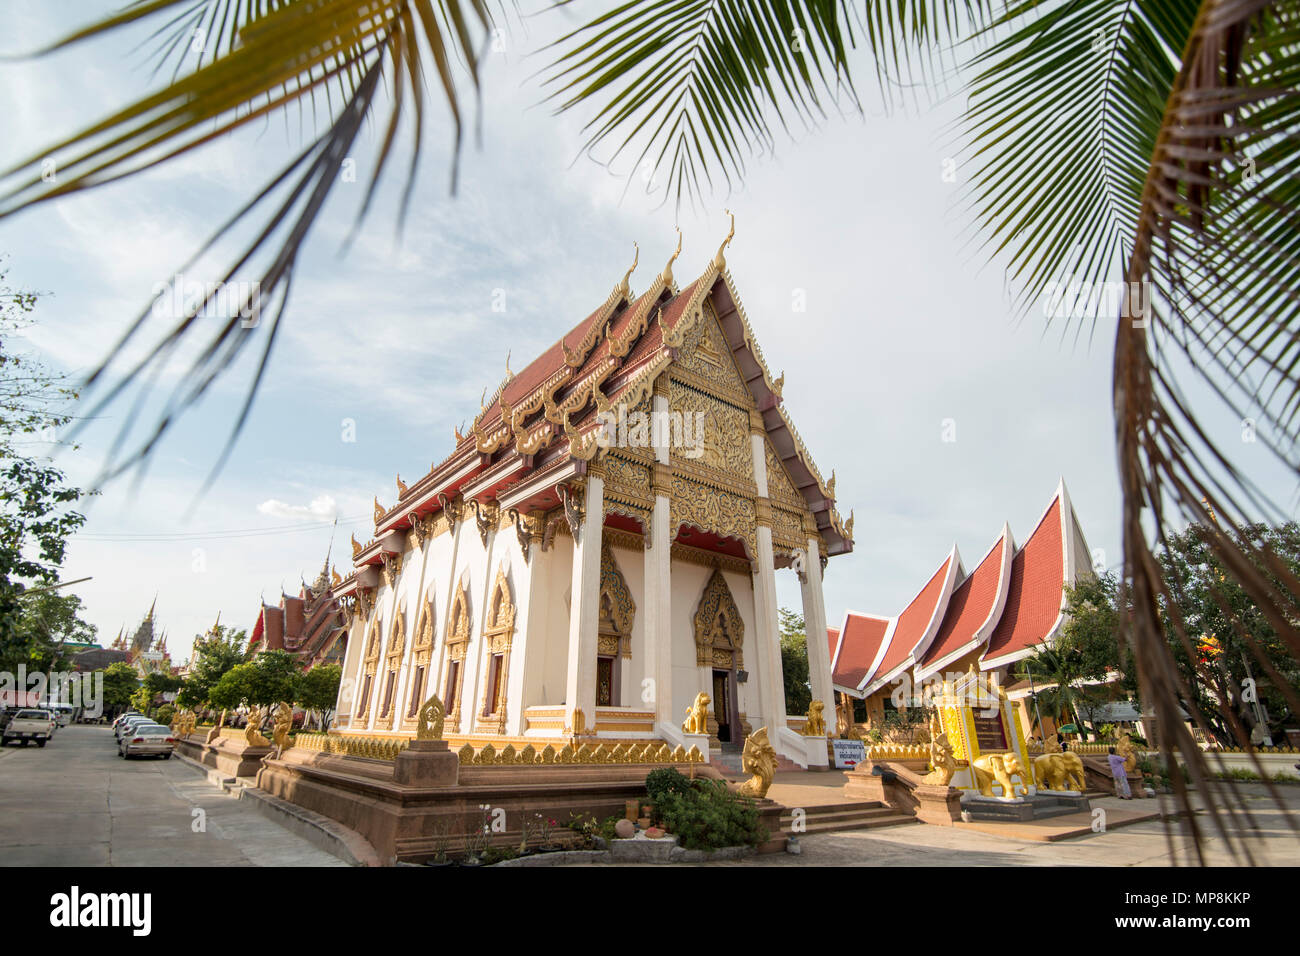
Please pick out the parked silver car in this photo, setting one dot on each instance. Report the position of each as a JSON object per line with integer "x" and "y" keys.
{"x": 125, "y": 726}
{"x": 147, "y": 740}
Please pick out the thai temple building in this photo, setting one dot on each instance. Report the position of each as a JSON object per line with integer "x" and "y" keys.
{"x": 598, "y": 553}
{"x": 1000, "y": 609}
{"x": 146, "y": 650}
{"x": 309, "y": 625}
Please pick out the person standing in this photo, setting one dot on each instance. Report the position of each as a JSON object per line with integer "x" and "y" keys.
{"x": 1120, "y": 774}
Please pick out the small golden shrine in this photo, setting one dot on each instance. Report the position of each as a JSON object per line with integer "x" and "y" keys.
{"x": 984, "y": 734}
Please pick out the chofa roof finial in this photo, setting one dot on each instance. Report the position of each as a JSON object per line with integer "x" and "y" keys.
{"x": 667, "y": 274}
{"x": 720, "y": 260}
{"x": 625, "y": 286}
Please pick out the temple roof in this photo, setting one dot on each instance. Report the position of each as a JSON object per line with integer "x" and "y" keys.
{"x": 546, "y": 416}
{"x": 973, "y": 610}
{"x": 1011, "y": 604}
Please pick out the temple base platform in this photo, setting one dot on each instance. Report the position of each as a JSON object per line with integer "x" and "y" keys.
{"x": 1039, "y": 806}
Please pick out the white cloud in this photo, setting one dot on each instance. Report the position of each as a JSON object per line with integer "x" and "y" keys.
{"x": 322, "y": 508}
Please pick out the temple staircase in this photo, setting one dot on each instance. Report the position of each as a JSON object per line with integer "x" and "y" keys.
{"x": 848, "y": 815}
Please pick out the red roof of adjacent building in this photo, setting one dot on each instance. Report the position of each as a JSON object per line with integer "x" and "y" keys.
{"x": 1035, "y": 594}
{"x": 1011, "y": 603}
{"x": 915, "y": 621}
{"x": 970, "y": 608}
{"x": 862, "y": 636}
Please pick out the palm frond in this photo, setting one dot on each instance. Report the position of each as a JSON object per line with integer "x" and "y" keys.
{"x": 693, "y": 86}
{"x": 275, "y": 53}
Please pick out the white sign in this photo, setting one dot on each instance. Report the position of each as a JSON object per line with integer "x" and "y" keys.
{"x": 848, "y": 753}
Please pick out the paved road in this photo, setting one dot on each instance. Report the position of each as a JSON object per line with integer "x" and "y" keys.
{"x": 75, "y": 802}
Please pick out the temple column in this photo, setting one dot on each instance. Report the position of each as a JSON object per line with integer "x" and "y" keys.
{"x": 814, "y": 619}
{"x": 584, "y": 595}
{"x": 767, "y": 641}
{"x": 658, "y": 578}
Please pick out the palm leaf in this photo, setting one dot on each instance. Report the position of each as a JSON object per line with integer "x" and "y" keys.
{"x": 267, "y": 56}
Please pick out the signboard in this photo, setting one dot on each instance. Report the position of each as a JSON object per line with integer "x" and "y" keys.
{"x": 990, "y": 734}
{"x": 848, "y": 753}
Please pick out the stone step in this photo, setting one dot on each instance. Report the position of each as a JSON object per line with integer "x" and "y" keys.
{"x": 856, "y": 815}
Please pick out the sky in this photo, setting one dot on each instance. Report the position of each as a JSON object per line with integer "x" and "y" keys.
{"x": 942, "y": 411}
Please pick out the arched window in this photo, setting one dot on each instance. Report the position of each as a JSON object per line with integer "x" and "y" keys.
{"x": 498, "y": 634}
{"x": 421, "y": 656}
{"x": 369, "y": 667}
{"x": 392, "y": 667}
{"x": 454, "y": 648}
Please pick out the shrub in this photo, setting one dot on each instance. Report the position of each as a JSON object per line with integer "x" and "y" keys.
{"x": 665, "y": 780}
{"x": 707, "y": 816}
{"x": 164, "y": 714}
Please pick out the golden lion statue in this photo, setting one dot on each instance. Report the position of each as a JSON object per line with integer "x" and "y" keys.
{"x": 432, "y": 715}
{"x": 252, "y": 736}
{"x": 816, "y": 724}
{"x": 697, "y": 716}
{"x": 1000, "y": 768}
{"x": 759, "y": 759}
{"x": 1126, "y": 749}
{"x": 283, "y": 724}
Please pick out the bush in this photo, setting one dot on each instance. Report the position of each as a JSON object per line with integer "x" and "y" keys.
{"x": 665, "y": 780}
{"x": 164, "y": 714}
{"x": 707, "y": 816}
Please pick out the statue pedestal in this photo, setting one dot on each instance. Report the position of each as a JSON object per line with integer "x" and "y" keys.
{"x": 940, "y": 806}
{"x": 426, "y": 763}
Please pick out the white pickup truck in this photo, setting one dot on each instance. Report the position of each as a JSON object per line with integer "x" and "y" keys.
{"x": 29, "y": 724}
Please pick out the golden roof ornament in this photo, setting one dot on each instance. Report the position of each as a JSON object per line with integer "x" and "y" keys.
{"x": 456, "y": 430}
{"x": 848, "y": 525}
{"x": 624, "y": 287}
{"x": 778, "y": 386}
{"x": 356, "y": 546}
{"x": 667, "y": 274}
{"x": 720, "y": 260}
{"x": 379, "y": 510}
{"x": 830, "y": 485}
{"x": 401, "y": 487}
{"x": 335, "y": 580}
{"x": 509, "y": 374}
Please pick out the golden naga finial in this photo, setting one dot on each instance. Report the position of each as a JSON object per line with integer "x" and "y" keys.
{"x": 830, "y": 485}
{"x": 759, "y": 759}
{"x": 667, "y": 274}
{"x": 624, "y": 288}
{"x": 848, "y": 526}
{"x": 456, "y": 430}
{"x": 356, "y": 546}
{"x": 401, "y": 487}
{"x": 432, "y": 715}
{"x": 509, "y": 374}
{"x": 334, "y": 577}
{"x": 778, "y": 385}
{"x": 720, "y": 260}
{"x": 482, "y": 401}
{"x": 379, "y": 510}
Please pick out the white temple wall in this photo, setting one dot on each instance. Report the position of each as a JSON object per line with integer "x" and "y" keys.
{"x": 688, "y": 582}
{"x": 553, "y": 614}
{"x": 349, "y": 686}
{"x": 633, "y": 670}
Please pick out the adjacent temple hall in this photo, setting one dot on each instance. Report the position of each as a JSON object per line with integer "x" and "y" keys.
{"x": 598, "y": 555}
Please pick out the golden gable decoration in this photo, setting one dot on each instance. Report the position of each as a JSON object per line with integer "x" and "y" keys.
{"x": 719, "y": 630}
{"x": 617, "y": 610}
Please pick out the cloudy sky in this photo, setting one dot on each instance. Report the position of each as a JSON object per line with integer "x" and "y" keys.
{"x": 906, "y": 327}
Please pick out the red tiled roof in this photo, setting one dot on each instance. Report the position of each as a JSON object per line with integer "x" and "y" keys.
{"x": 858, "y": 648}
{"x": 832, "y": 639}
{"x": 913, "y": 622}
{"x": 1034, "y": 594}
{"x": 969, "y": 608}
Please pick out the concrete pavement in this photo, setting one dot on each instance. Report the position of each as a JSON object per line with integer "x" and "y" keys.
{"x": 75, "y": 802}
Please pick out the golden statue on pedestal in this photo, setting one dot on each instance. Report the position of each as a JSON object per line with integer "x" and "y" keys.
{"x": 942, "y": 762}
{"x": 252, "y": 736}
{"x": 816, "y": 724}
{"x": 1000, "y": 768}
{"x": 758, "y": 758}
{"x": 432, "y": 715}
{"x": 1126, "y": 749}
{"x": 283, "y": 724}
{"x": 697, "y": 716}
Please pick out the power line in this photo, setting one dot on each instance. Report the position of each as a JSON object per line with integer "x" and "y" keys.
{"x": 227, "y": 533}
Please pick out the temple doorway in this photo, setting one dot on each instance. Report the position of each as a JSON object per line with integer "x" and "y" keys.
{"x": 723, "y": 708}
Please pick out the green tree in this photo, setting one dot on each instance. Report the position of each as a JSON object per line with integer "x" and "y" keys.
{"x": 275, "y": 676}
{"x": 214, "y": 654}
{"x": 120, "y": 684}
{"x": 232, "y": 689}
{"x": 48, "y": 620}
{"x": 36, "y": 517}
{"x": 318, "y": 691}
{"x": 794, "y": 662}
